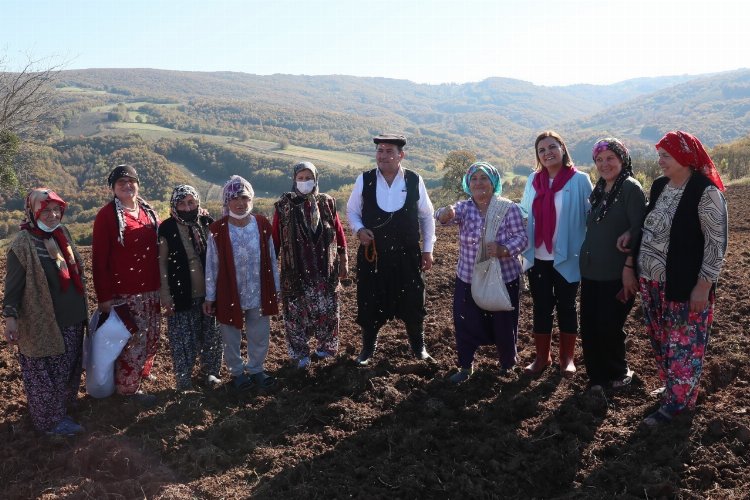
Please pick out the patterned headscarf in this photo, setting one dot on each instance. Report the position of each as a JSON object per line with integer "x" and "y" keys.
{"x": 489, "y": 171}
{"x": 599, "y": 195}
{"x": 57, "y": 244}
{"x": 197, "y": 233}
{"x": 235, "y": 187}
{"x": 314, "y": 219}
{"x": 689, "y": 152}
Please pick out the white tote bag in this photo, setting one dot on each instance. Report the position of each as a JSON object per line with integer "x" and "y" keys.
{"x": 487, "y": 286}
{"x": 106, "y": 343}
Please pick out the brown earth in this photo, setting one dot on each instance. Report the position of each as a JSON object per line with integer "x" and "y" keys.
{"x": 399, "y": 430}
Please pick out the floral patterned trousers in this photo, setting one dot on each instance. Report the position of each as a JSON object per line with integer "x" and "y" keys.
{"x": 52, "y": 382}
{"x": 138, "y": 355}
{"x": 679, "y": 339}
{"x": 315, "y": 313}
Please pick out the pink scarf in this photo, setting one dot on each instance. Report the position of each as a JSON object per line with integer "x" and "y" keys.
{"x": 543, "y": 207}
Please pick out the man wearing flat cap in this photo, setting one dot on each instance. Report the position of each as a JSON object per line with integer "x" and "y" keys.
{"x": 388, "y": 209}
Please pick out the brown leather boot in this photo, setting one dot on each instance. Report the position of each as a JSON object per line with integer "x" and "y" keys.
{"x": 543, "y": 357}
{"x": 567, "y": 354}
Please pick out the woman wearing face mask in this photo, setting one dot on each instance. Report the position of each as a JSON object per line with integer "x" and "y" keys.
{"x": 312, "y": 249}
{"x": 241, "y": 284}
{"x": 45, "y": 312}
{"x": 125, "y": 261}
{"x": 182, "y": 260}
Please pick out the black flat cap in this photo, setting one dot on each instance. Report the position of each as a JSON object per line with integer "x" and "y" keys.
{"x": 397, "y": 139}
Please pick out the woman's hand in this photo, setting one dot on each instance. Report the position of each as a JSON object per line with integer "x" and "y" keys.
{"x": 343, "y": 269}
{"x": 499, "y": 251}
{"x": 629, "y": 282}
{"x": 11, "y": 330}
{"x": 167, "y": 308}
{"x": 699, "y": 296}
{"x": 623, "y": 242}
{"x": 105, "y": 307}
{"x": 209, "y": 309}
{"x": 447, "y": 214}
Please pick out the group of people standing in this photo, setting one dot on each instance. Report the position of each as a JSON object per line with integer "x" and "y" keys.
{"x": 214, "y": 279}
{"x": 612, "y": 243}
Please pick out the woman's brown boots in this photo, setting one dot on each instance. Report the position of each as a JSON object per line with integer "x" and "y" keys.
{"x": 544, "y": 358}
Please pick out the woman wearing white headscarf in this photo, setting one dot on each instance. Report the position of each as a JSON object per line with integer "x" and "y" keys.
{"x": 241, "y": 284}
{"x": 312, "y": 248}
{"x": 45, "y": 312}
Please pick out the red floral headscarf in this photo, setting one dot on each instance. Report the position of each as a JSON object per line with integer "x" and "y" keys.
{"x": 689, "y": 152}
{"x": 57, "y": 244}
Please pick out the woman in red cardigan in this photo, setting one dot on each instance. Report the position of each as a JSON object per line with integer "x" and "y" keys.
{"x": 125, "y": 263}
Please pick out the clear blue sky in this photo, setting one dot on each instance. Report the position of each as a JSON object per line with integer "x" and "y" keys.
{"x": 547, "y": 42}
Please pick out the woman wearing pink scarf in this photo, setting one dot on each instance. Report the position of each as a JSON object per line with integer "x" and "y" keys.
{"x": 556, "y": 200}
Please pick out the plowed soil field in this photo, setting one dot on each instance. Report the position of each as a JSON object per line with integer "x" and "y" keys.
{"x": 398, "y": 429}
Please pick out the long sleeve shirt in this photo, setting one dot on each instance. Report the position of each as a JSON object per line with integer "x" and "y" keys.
{"x": 390, "y": 199}
{"x": 246, "y": 252}
{"x": 511, "y": 234}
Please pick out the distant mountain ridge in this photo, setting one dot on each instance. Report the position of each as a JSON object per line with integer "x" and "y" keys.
{"x": 497, "y": 117}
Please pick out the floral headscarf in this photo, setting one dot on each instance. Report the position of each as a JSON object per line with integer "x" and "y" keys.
{"x": 598, "y": 195}
{"x": 689, "y": 152}
{"x": 235, "y": 187}
{"x": 197, "y": 232}
{"x": 489, "y": 171}
{"x": 57, "y": 244}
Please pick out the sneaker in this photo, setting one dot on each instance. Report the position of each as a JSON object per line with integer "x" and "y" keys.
{"x": 303, "y": 363}
{"x": 625, "y": 381}
{"x": 66, "y": 428}
{"x": 460, "y": 376}
{"x": 263, "y": 380}
{"x": 144, "y": 400}
{"x": 213, "y": 381}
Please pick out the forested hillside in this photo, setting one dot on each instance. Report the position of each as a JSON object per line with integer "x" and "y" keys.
{"x": 202, "y": 127}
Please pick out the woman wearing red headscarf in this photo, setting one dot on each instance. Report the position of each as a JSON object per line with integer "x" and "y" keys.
{"x": 679, "y": 258}
{"x": 45, "y": 311}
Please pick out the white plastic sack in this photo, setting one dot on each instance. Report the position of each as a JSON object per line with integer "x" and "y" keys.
{"x": 106, "y": 344}
{"x": 87, "y": 339}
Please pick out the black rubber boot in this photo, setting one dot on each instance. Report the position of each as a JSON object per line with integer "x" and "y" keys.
{"x": 369, "y": 344}
{"x": 416, "y": 341}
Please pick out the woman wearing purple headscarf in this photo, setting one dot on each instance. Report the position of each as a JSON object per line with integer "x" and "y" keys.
{"x": 485, "y": 209}
{"x": 241, "y": 284}
{"x": 608, "y": 280}
{"x": 312, "y": 249}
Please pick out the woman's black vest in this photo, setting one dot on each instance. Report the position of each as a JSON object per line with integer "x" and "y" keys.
{"x": 178, "y": 269}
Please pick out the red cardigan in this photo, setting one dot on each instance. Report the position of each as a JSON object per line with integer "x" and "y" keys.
{"x": 129, "y": 269}
{"x": 228, "y": 308}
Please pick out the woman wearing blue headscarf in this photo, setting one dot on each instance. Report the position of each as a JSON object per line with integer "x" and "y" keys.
{"x": 475, "y": 326}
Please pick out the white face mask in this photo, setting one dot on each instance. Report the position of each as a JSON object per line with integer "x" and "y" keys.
{"x": 242, "y": 215}
{"x": 306, "y": 187}
{"x": 44, "y": 227}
